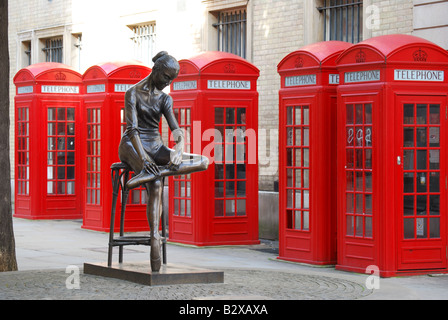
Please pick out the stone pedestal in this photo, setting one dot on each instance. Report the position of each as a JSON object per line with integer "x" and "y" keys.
{"x": 140, "y": 272}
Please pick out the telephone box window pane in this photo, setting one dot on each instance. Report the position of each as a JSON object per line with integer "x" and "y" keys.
{"x": 421, "y": 205}
{"x": 359, "y": 186}
{"x": 434, "y": 182}
{"x": 289, "y": 153}
{"x": 306, "y": 137}
{"x": 219, "y": 189}
{"x": 368, "y": 181}
{"x": 349, "y": 183}
{"x": 289, "y": 198}
{"x": 298, "y": 136}
{"x": 306, "y": 199}
{"x": 230, "y": 208}
{"x": 368, "y": 136}
{"x": 230, "y": 171}
{"x": 359, "y": 137}
{"x": 289, "y": 219}
{"x": 368, "y": 204}
{"x": 408, "y": 182}
{"x": 298, "y": 178}
{"x": 421, "y": 230}
{"x": 359, "y": 226}
{"x": 350, "y": 138}
{"x": 289, "y": 178}
{"x": 219, "y": 171}
{"x": 289, "y": 136}
{"x": 298, "y": 200}
{"x": 359, "y": 203}
{"x": 408, "y": 137}
{"x": 241, "y": 207}
{"x": 358, "y": 114}
{"x": 368, "y": 227}
{"x": 350, "y": 202}
{"x": 289, "y": 115}
{"x": 421, "y": 159}
{"x": 241, "y": 189}
{"x": 298, "y": 220}
{"x": 408, "y": 205}
{"x": 350, "y": 159}
{"x": 306, "y": 116}
{"x": 434, "y": 137}
{"x": 306, "y": 157}
{"x": 241, "y": 171}
{"x": 434, "y": 205}
{"x": 350, "y": 225}
{"x": 359, "y": 161}
{"x": 241, "y": 116}
{"x": 306, "y": 220}
{"x": 408, "y": 159}
{"x": 421, "y": 182}
{"x": 349, "y": 114}
{"x": 434, "y": 114}
{"x": 368, "y": 159}
{"x": 408, "y": 114}
{"x": 421, "y": 114}
{"x": 230, "y": 115}
{"x": 219, "y": 208}
{"x": 219, "y": 115}
{"x": 306, "y": 180}
{"x": 421, "y": 137}
{"x": 368, "y": 113}
{"x": 298, "y": 157}
{"x": 434, "y": 227}
{"x": 408, "y": 226}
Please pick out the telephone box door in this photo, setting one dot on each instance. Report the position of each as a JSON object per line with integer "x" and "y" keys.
{"x": 421, "y": 194}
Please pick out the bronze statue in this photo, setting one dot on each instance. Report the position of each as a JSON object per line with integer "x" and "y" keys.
{"x": 142, "y": 148}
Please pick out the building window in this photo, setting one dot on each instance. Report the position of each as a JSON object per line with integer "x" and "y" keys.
{"x": 53, "y": 49}
{"x": 343, "y": 20}
{"x": 26, "y": 57}
{"x": 232, "y": 31}
{"x": 144, "y": 42}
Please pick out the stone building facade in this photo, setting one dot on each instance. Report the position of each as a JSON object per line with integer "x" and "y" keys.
{"x": 91, "y": 32}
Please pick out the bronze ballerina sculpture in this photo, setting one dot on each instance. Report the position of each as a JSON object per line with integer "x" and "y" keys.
{"x": 142, "y": 148}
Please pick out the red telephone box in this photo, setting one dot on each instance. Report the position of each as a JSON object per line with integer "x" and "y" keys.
{"x": 307, "y": 145}
{"x": 216, "y": 102}
{"x": 392, "y": 156}
{"x": 48, "y": 140}
{"x": 105, "y": 86}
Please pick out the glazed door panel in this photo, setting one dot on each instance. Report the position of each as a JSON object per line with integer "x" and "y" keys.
{"x": 421, "y": 189}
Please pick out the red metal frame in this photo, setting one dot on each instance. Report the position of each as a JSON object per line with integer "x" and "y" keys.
{"x": 388, "y": 183}
{"x": 105, "y": 86}
{"x": 48, "y": 142}
{"x": 221, "y": 206}
{"x": 307, "y": 143}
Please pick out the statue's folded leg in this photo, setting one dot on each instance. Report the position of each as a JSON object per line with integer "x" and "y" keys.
{"x": 190, "y": 163}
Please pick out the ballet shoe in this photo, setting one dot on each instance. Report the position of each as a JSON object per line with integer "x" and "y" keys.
{"x": 139, "y": 179}
{"x": 156, "y": 261}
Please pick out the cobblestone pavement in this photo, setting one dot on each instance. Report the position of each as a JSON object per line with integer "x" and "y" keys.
{"x": 238, "y": 284}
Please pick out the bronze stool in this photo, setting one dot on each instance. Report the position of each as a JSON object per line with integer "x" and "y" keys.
{"x": 120, "y": 175}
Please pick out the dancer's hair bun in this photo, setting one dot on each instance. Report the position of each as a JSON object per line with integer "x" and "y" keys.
{"x": 159, "y": 55}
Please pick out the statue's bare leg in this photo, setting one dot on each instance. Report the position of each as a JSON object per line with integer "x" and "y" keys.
{"x": 190, "y": 163}
{"x": 153, "y": 211}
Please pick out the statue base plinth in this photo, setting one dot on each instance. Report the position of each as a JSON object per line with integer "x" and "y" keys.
{"x": 140, "y": 272}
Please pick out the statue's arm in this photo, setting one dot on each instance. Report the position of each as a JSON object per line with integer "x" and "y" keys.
{"x": 177, "y": 132}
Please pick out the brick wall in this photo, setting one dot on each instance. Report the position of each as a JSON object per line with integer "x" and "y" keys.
{"x": 26, "y": 15}
{"x": 277, "y": 31}
{"x": 396, "y": 16}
